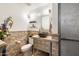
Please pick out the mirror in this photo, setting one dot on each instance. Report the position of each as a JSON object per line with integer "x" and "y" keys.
{"x": 46, "y": 19}
{"x": 42, "y": 16}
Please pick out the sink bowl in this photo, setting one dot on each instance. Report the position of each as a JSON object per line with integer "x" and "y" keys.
{"x": 43, "y": 34}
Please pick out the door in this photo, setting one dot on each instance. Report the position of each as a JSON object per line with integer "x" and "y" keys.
{"x": 69, "y": 28}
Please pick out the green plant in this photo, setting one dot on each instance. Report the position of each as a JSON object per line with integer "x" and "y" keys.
{"x": 2, "y": 35}
{"x": 3, "y": 29}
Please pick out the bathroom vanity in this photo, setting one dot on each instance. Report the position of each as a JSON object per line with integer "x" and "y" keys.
{"x": 48, "y": 45}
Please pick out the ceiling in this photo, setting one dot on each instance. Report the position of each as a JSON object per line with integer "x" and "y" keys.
{"x": 36, "y": 7}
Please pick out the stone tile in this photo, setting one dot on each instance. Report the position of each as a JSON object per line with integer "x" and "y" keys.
{"x": 13, "y": 47}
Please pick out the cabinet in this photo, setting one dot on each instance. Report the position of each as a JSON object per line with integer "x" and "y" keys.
{"x": 46, "y": 45}
{"x": 2, "y": 48}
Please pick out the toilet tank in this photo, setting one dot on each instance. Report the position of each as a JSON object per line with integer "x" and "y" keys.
{"x": 30, "y": 40}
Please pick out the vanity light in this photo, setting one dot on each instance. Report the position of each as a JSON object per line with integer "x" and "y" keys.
{"x": 26, "y": 17}
{"x": 46, "y": 11}
{"x": 32, "y": 16}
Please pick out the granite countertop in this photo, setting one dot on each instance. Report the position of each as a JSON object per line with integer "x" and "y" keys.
{"x": 2, "y": 43}
{"x": 49, "y": 38}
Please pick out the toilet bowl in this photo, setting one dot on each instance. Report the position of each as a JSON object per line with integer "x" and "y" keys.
{"x": 27, "y": 49}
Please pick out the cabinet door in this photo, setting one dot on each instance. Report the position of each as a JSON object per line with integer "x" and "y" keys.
{"x": 69, "y": 26}
{"x": 42, "y": 45}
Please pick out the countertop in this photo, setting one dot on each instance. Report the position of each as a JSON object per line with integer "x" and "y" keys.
{"x": 49, "y": 38}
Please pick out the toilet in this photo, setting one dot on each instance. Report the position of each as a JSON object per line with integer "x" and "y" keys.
{"x": 27, "y": 49}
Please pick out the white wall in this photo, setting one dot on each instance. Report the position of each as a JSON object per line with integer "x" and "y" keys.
{"x": 55, "y": 17}
{"x": 18, "y": 12}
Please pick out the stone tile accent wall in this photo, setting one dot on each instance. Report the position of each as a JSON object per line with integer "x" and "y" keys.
{"x": 19, "y": 38}
{"x": 14, "y": 42}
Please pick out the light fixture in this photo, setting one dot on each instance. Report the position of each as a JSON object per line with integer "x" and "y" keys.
{"x": 46, "y": 11}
